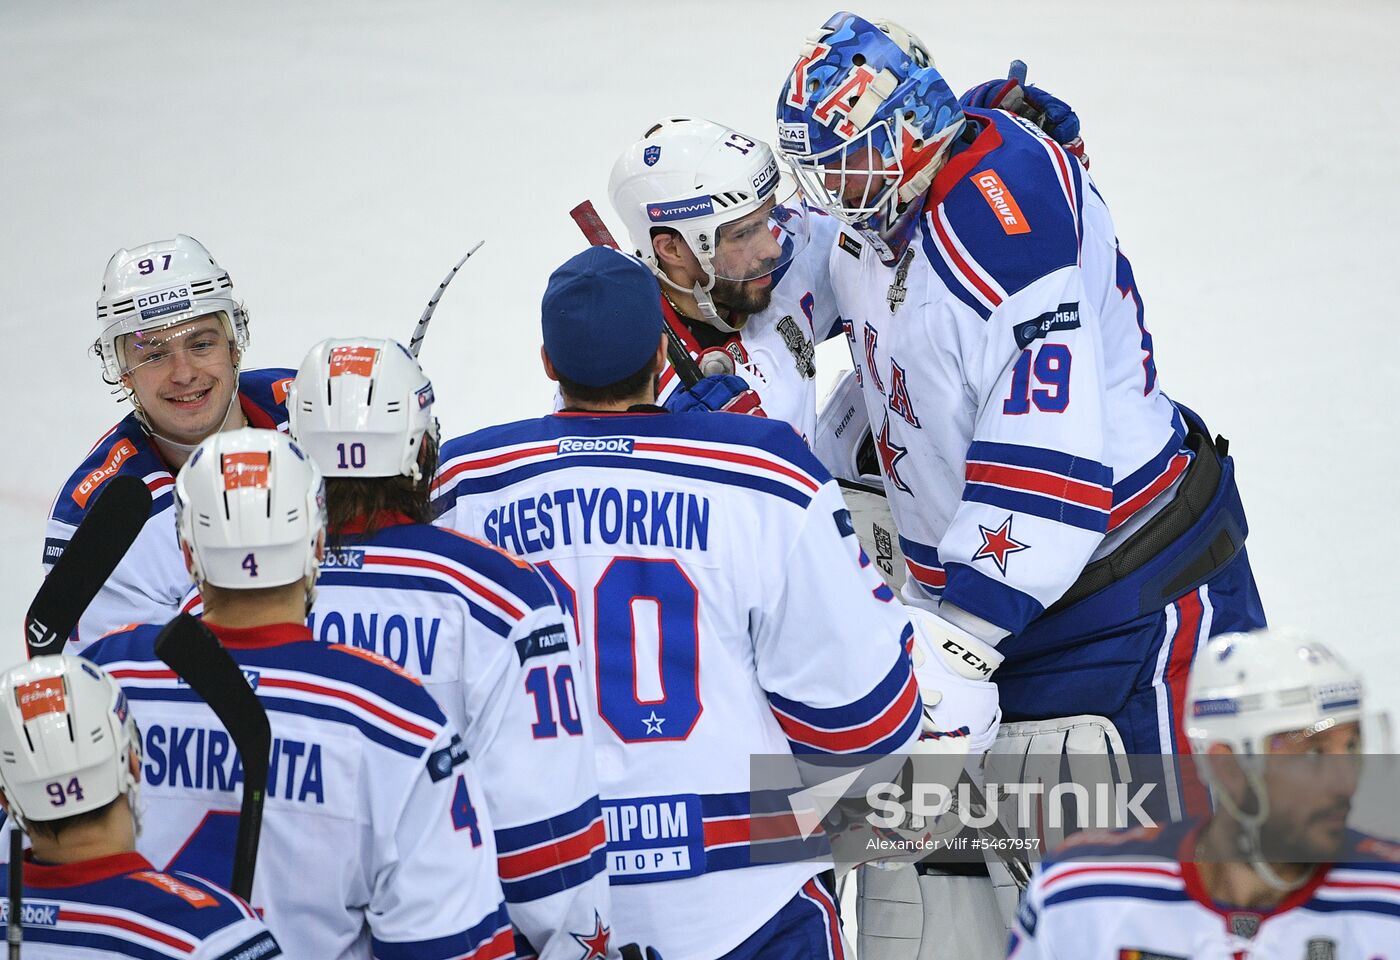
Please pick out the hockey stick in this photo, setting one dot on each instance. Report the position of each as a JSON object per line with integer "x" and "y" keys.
{"x": 193, "y": 652}
{"x": 96, "y": 548}
{"x": 597, "y": 233}
{"x": 419, "y": 332}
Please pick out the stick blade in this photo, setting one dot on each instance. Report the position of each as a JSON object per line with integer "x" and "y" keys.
{"x": 97, "y": 547}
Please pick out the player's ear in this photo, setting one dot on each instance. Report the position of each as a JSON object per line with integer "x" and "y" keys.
{"x": 133, "y": 762}
{"x": 549, "y": 370}
{"x": 659, "y": 361}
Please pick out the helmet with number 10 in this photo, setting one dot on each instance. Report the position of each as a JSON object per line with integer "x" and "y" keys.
{"x": 865, "y": 120}
{"x": 723, "y": 194}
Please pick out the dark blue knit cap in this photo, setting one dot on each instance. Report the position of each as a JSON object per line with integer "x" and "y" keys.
{"x": 601, "y": 317}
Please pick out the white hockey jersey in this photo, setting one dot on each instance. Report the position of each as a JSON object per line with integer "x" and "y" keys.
{"x": 151, "y": 581}
{"x": 483, "y": 631}
{"x": 1010, "y": 381}
{"x": 725, "y": 610}
{"x": 375, "y": 840}
{"x": 775, "y": 351}
{"x": 1146, "y": 908}
{"x": 121, "y": 906}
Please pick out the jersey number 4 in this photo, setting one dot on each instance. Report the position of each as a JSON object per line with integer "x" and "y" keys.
{"x": 633, "y": 591}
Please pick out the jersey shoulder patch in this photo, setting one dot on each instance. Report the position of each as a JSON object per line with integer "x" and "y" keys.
{"x": 1008, "y": 210}
{"x": 124, "y": 449}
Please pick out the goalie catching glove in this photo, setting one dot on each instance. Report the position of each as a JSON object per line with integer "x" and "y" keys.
{"x": 954, "y": 670}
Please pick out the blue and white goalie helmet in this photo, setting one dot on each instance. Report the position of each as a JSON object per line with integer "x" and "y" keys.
{"x": 251, "y": 511}
{"x": 722, "y": 191}
{"x": 66, "y": 739}
{"x": 154, "y": 287}
{"x": 865, "y": 120}
{"x": 362, "y": 408}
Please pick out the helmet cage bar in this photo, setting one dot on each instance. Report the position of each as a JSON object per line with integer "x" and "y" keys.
{"x": 876, "y": 200}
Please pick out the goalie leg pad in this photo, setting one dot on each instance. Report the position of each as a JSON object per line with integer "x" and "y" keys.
{"x": 902, "y": 914}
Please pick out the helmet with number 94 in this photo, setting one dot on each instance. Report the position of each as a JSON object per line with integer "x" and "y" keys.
{"x": 156, "y": 286}
{"x": 66, "y": 739}
{"x": 250, "y": 511}
{"x": 866, "y": 120}
{"x": 362, "y": 408}
{"x": 722, "y": 192}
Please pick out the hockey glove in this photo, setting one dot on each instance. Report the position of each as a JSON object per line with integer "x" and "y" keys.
{"x": 726, "y": 393}
{"x": 631, "y": 951}
{"x": 954, "y": 669}
{"x": 1040, "y": 107}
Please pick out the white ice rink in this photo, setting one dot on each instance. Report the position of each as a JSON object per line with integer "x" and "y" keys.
{"x": 338, "y": 157}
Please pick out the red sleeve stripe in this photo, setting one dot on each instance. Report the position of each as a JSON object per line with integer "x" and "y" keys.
{"x": 554, "y": 854}
{"x": 1166, "y": 872}
{"x": 934, "y": 577}
{"x": 306, "y": 687}
{"x": 484, "y": 592}
{"x": 1147, "y": 494}
{"x": 857, "y": 738}
{"x": 744, "y": 828}
{"x": 501, "y": 944}
{"x": 131, "y": 926}
{"x": 495, "y": 460}
{"x": 1090, "y": 495}
{"x": 980, "y": 284}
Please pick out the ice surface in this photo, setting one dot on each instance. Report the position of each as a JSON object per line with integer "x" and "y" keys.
{"x": 338, "y": 157}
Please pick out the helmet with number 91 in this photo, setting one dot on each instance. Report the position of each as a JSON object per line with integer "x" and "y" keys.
{"x": 362, "y": 408}
{"x": 865, "y": 120}
{"x": 250, "y": 511}
{"x": 723, "y": 193}
{"x": 157, "y": 286}
{"x": 66, "y": 739}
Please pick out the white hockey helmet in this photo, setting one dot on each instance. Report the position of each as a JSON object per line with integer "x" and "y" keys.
{"x": 361, "y": 408}
{"x": 66, "y": 738}
{"x": 158, "y": 285}
{"x": 251, "y": 510}
{"x": 1247, "y": 688}
{"x": 694, "y": 176}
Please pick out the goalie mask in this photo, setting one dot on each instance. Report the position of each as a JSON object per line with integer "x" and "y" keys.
{"x": 722, "y": 192}
{"x": 865, "y": 120}
{"x": 250, "y": 511}
{"x": 66, "y": 739}
{"x": 362, "y": 408}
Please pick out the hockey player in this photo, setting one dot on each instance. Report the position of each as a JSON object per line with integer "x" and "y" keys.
{"x": 375, "y": 841}
{"x": 171, "y": 340}
{"x": 724, "y": 608}
{"x": 481, "y": 629}
{"x": 1051, "y": 501}
{"x": 1274, "y": 872}
{"x": 741, "y": 287}
{"x": 70, "y": 763}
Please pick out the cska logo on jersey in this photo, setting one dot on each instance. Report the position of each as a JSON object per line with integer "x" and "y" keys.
{"x": 998, "y": 544}
{"x": 595, "y": 944}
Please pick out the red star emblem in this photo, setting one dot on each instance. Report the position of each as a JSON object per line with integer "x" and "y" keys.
{"x": 595, "y": 944}
{"x": 998, "y": 544}
{"x": 890, "y": 454}
{"x": 913, "y": 152}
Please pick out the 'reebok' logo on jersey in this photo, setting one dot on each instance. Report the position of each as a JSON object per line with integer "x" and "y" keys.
{"x": 622, "y": 445}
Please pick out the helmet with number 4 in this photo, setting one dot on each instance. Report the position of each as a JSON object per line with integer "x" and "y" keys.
{"x": 156, "y": 286}
{"x": 865, "y": 120}
{"x": 66, "y": 739}
{"x": 362, "y": 408}
{"x": 250, "y": 510}
{"x": 700, "y": 179}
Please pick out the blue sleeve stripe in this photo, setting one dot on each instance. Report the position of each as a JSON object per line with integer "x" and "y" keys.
{"x": 362, "y": 579}
{"x": 989, "y": 599}
{"x": 901, "y": 739}
{"x": 1115, "y": 891}
{"x": 1041, "y": 458}
{"x": 950, "y": 280}
{"x": 492, "y": 482}
{"x": 920, "y": 553}
{"x": 100, "y": 944}
{"x": 510, "y": 839}
{"x": 1321, "y": 905}
{"x": 1149, "y": 471}
{"x": 1085, "y": 518}
{"x": 457, "y": 946}
{"x": 542, "y": 885}
{"x": 854, "y": 714}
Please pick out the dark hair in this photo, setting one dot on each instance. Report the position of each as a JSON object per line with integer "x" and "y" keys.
{"x": 349, "y": 499}
{"x": 51, "y": 829}
{"x": 624, "y": 389}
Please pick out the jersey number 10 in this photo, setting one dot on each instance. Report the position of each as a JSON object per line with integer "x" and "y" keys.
{"x": 676, "y": 602}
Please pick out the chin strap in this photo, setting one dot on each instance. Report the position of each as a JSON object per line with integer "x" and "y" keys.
{"x": 701, "y": 292}
{"x": 185, "y": 448}
{"x": 1248, "y": 838}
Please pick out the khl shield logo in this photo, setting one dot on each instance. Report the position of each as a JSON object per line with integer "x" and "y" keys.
{"x": 650, "y": 155}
